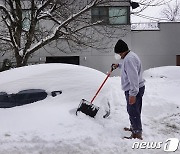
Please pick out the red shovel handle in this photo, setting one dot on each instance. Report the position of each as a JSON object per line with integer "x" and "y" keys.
{"x": 101, "y": 86}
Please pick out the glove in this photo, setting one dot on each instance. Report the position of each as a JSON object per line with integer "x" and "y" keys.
{"x": 114, "y": 66}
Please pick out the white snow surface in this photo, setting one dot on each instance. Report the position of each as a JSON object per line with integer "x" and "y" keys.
{"x": 50, "y": 126}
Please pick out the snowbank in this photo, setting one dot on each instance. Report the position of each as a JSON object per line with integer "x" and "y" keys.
{"x": 50, "y": 126}
{"x": 171, "y": 72}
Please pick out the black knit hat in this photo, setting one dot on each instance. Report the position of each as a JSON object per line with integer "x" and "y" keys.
{"x": 120, "y": 47}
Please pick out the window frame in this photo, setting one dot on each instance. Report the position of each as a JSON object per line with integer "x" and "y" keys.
{"x": 94, "y": 18}
{"x": 26, "y": 19}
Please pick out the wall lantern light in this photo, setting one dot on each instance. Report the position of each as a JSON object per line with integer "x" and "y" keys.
{"x": 134, "y": 5}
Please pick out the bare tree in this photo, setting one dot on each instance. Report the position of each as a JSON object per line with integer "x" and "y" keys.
{"x": 172, "y": 11}
{"x": 28, "y": 25}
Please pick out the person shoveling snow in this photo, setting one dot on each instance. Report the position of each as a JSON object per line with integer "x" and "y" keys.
{"x": 133, "y": 85}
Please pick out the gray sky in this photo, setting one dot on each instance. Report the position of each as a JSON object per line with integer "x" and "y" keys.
{"x": 151, "y": 13}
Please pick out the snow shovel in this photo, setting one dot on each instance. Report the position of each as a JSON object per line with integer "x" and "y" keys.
{"x": 89, "y": 108}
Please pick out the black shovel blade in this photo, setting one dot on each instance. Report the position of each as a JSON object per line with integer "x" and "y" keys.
{"x": 87, "y": 108}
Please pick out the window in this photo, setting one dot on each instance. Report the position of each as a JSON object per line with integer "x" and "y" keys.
{"x": 26, "y": 19}
{"x": 111, "y": 15}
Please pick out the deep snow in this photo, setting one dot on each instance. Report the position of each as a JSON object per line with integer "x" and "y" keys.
{"x": 50, "y": 126}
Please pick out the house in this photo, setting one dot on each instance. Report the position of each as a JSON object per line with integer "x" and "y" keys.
{"x": 155, "y": 43}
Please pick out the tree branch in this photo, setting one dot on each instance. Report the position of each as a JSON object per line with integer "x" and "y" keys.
{"x": 43, "y": 7}
{"x": 2, "y": 7}
{"x": 5, "y": 39}
{"x": 57, "y": 29}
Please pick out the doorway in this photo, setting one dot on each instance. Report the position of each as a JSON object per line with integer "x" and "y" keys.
{"x": 63, "y": 59}
{"x": 177, "y": 60}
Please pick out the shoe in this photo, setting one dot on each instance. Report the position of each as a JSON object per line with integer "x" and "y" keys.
{"x": 134, "y": 136}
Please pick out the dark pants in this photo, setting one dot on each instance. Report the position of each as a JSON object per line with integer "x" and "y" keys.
{"x": 134, "y": 111}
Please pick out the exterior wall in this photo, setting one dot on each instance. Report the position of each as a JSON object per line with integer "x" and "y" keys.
{"x": 154, "y": 47}
{"x": 157, "y": 48}
{"x": 97, "y": 59}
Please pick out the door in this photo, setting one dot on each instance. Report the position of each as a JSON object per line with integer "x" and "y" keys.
{"x": 63, "y": 59}
{"x": 178, "y": 60}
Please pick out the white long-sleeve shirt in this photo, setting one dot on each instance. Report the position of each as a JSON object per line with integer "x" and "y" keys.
{"x": 131, "y": 74}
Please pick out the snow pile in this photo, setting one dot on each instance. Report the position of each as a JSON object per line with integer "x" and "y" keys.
{"x": 171, "y": 72}
{"x": 50, "y": 126}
